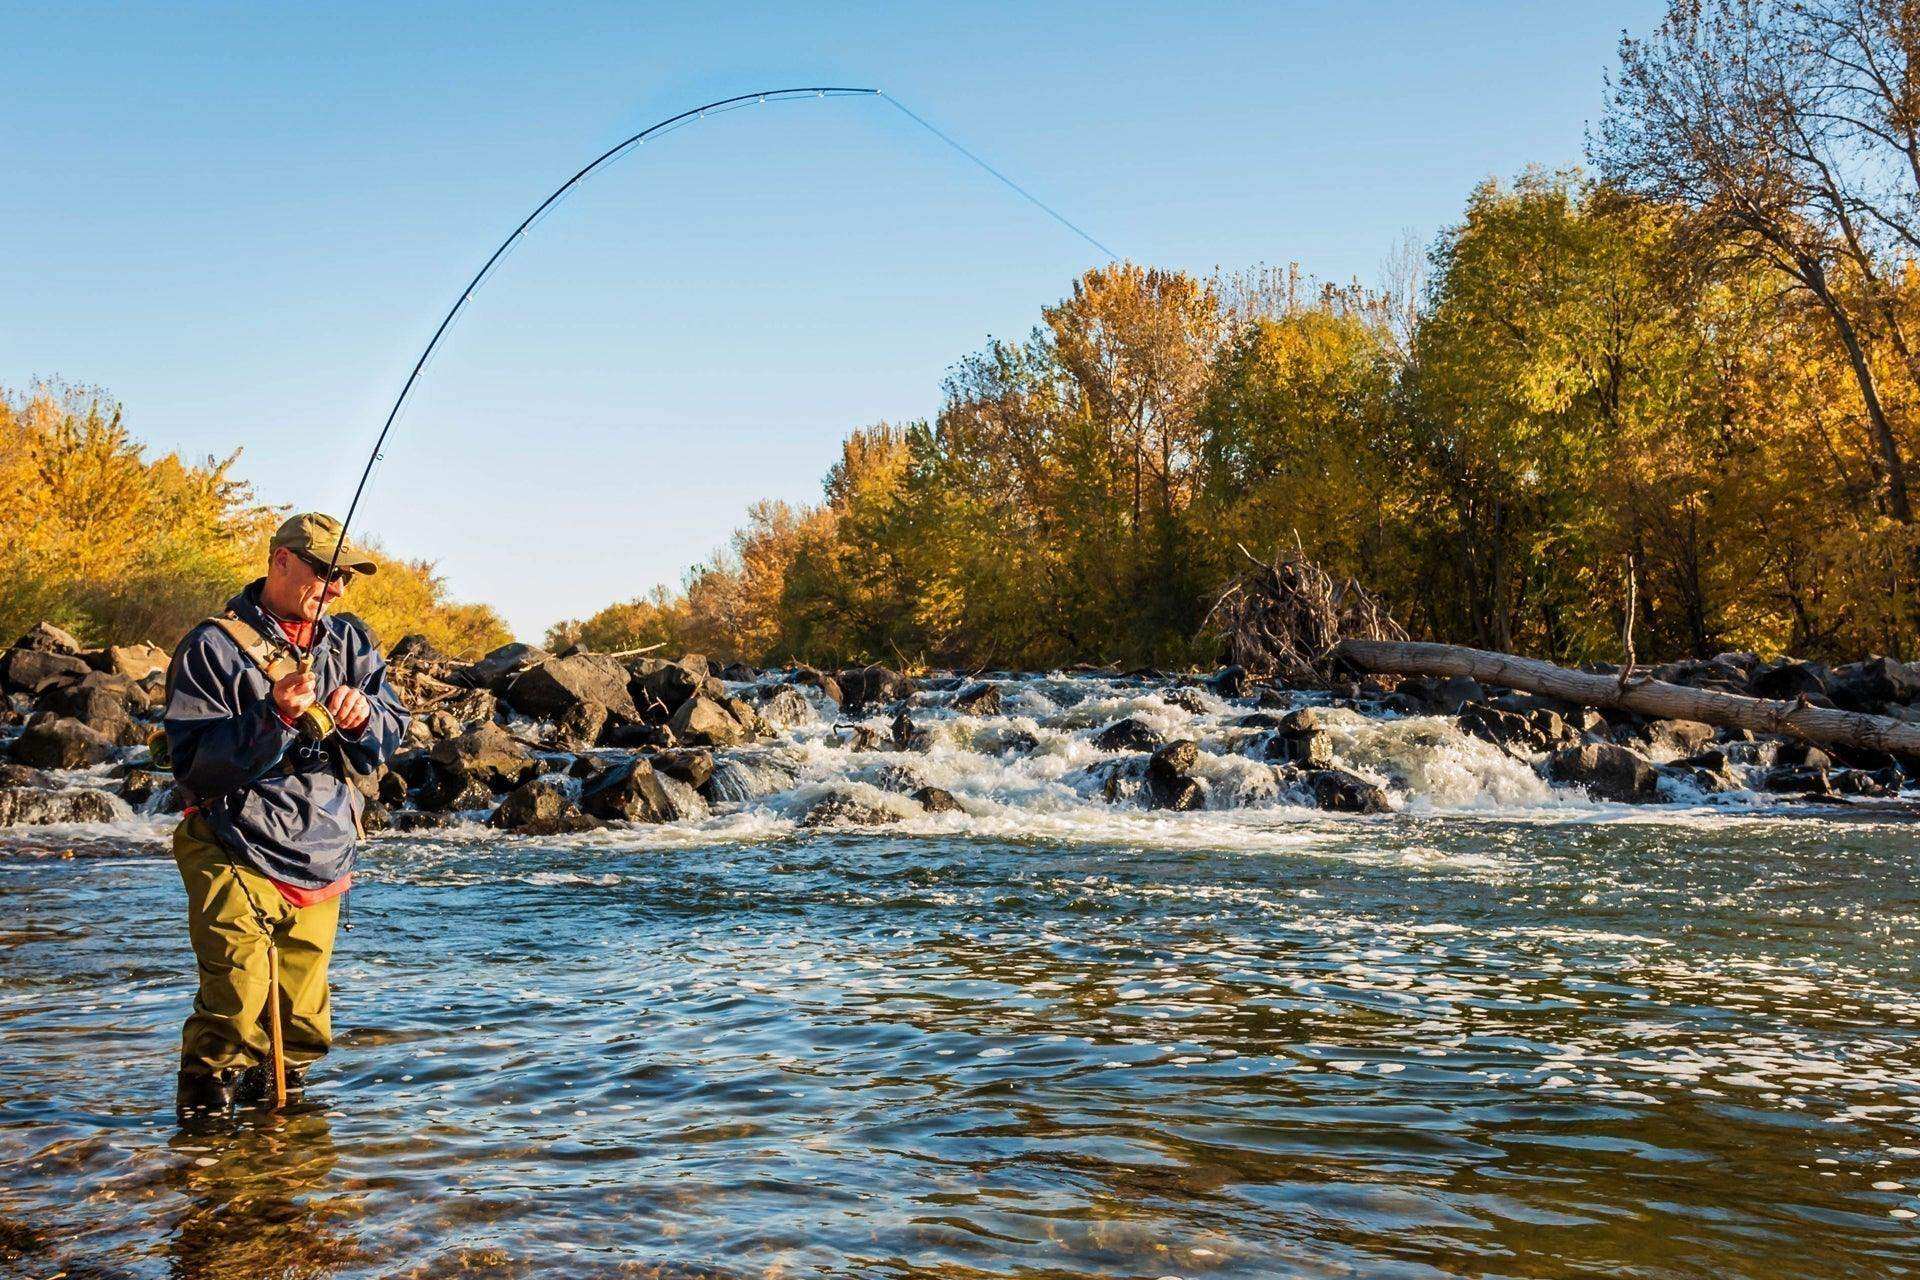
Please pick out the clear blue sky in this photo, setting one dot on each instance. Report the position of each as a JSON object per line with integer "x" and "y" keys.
{"x": 244, "y": 221}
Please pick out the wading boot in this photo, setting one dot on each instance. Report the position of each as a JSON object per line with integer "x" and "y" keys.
{"x": 203, "y": 1094}
{"x": 255, "y": 1087}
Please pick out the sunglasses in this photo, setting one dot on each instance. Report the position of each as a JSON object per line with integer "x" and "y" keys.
{"x": 338, "y": 577}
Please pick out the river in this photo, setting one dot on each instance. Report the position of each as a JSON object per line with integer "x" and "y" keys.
{"x": 1496, "y": 1032}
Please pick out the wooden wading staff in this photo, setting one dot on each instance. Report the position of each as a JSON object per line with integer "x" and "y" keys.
{"x": 273, "y": 1026}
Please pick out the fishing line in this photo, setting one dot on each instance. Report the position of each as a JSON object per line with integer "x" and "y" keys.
{"x": 660, "y": 129}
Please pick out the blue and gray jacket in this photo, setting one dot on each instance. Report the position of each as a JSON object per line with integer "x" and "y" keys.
{"x": 273, "y": 797}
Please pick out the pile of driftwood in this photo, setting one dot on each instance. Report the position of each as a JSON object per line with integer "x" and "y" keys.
{"x": 1291, "y": 620}
{"x": 1285, "y": 619}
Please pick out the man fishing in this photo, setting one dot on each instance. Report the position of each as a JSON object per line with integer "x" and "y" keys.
{"x": 272, "y": 710}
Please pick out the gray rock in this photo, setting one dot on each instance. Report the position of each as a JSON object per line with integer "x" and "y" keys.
{"x": 553, "y": 688}
{"x": 44, "y": 637}
{"x": 1681, "y": 737}
{"x": 22, "y": 807}
{"x": 1127, "y": 735}
{"x": 488, "y": 755}
{"x": 1177, "y": 793}
{"x": 1174, "y": 760}
{"x": 19, "y": 775}
{"x": 937, "y": 800}
{"x": 628, "y": 792}
{"x": 1230, "y": 682}
{"x": 134, "y": 661}
{"x": 500, "y": 667}
{"x": 691, "y": 766}
{"x": 34, "y": 671}
{"x": 1607, "y": 771}
{"x": 1786, "y": 680}
{"x": 61, "y": 743}
{"x": 784, "y": 705}
{"x": 860, "y": 686}
{"x": 840, "y": 809}
{"x": 702, "y": 722}
{"x": 540, "y": 808}
{"x": 1338, "y": 791}
{"x": 978, "y": 700}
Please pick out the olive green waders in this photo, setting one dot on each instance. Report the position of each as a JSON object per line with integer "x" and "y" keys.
{"x": 230, "y": 908}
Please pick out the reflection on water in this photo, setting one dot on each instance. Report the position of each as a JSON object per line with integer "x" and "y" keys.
{"x": 1413, "y": 1048}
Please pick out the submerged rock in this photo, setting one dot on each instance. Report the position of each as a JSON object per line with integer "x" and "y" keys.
{"x": 1608, "y": 772}
{"x": 843, "y": 809}
{"x": 1127, "y": 735}
{"x": 937, "y": 800}
{"x": 21, "y": 806}
{"x": 1343, "y": 792}
{"x": 540, "y": 808}
{"x": 978, "y": 700}
{"x": 785, "y": 706}
{"x": 628, "y": 792}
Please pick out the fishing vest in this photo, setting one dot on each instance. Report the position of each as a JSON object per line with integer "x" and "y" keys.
{"x": 276, "y": 663}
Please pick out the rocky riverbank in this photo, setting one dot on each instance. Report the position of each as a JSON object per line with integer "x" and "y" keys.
{"x": 541, "y": 743}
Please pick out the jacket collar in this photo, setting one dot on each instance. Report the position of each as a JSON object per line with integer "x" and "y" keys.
{"x": 247, "y": 605}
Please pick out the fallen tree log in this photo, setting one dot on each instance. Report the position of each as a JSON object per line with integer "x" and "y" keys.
{"x": 1795, "y": 718}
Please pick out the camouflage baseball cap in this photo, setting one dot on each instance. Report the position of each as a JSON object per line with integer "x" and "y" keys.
{"x": 313, "y": 534}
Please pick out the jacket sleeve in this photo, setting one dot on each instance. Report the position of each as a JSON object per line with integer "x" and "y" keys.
{"x": 387, "y": 719}
{"x": 219, "y": 743}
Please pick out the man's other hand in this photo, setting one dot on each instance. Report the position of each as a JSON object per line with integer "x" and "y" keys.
{"x": 293, "y": 694}
{"x": 349, "y": 707}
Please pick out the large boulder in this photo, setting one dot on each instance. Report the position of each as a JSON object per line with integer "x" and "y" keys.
{"x": 628, "y": 792}
{"x": 1788, "y": 680}
{"x": 61, "y": 743}
{"x": 1868, "y": 686}
{"x": 702, "y": 722}
{"x": 44, "y": 637}
{"x": 134, "y": 661}
{"x": 661, "y": 688}
{"x": 1168, "y": 786}
{"x": 98, "y": 699}
{"x": 860, "y": 686}
{"x": 1127, "y": 735}
{"x": 1342, "y": 792}
{"x": 34, "y": 671}
{"x": 1607, "y": 771}
{"x": 551, "y": 689}
{"x": 691, "y": 766}
{"x": 488, "y": 755}
{"x": 1301, "y": 740}
{"x": 978, "y": 700}
{"x": 540, "y": 808}
{"x": 498, "y": 669}
{"x": 21, "y": 806}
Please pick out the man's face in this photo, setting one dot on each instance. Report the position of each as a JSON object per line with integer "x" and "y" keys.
{"x": 295, "y": 588}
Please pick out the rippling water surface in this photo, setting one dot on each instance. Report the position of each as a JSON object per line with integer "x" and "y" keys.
{"x": 1567, "y": 1045}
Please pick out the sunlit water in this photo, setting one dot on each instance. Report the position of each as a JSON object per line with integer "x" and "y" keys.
{"x": 1581, "y": 1043}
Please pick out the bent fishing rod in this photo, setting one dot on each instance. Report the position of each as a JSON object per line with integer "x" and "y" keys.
{"x": 605, "y": 158}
